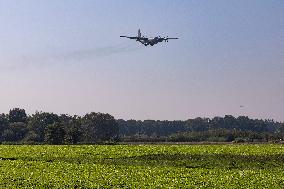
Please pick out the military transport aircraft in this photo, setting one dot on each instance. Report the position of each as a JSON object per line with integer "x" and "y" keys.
{"x": 148, "y": 41}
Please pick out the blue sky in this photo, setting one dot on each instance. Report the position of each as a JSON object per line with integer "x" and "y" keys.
{"x": 66, "y": 57}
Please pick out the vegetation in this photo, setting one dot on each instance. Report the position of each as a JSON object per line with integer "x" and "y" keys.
{"x": 43, "y": 127}
{"x": 137, "y": 166}
{"x": 142, "y": 166}
{"x": 49, "y": 128}
{"x": 218, "y": 129}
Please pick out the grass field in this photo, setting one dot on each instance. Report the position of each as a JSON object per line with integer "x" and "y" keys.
{"x": 142, "y": 166}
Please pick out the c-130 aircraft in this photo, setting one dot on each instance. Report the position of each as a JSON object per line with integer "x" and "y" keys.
{"x": 149, "y": 41}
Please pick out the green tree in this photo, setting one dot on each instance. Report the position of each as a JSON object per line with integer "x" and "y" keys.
{"x": 198, "y": 124}
{"x": 19, "y": 129}
{"x": 230, "y": 122}
{"x": 39, "y": 122}
{"x": 31, "y": 137}
{"x": 281, "y": 128}
{"x": 98, "y": 127}
{"x": 3, "y": 124}
{"x": 17, "y": 115}
{"x": 8, "y": 135}
{"x": 72, "y": 126}
{"x": 54, "y": 133}
{"x": 14, "y": 132}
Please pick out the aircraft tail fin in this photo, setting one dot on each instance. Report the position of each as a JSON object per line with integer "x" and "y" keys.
{"x": 139, "y": 33}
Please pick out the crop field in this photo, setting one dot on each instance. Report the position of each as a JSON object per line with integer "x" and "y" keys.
{"x": 142, "y": 166}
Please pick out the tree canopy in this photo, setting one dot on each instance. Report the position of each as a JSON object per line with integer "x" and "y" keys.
{"x": 50, "y": 128}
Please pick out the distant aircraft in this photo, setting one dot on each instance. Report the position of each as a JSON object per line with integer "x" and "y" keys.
{"x": 148, "y": 41}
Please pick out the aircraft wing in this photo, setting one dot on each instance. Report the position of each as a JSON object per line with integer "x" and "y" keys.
{"x": 129, "y": 37}
{"x": 170, "y": 38}
{"x": 137, "y": 38}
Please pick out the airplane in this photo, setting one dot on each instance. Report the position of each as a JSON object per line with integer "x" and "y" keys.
{"x": 148, "y": 41}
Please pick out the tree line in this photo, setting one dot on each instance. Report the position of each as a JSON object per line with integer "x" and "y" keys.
{"x": 50, "y": 128}
{"x": 217, "y": 129}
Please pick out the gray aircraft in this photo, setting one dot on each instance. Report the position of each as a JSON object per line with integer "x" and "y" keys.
{"x": 149, "y": 41}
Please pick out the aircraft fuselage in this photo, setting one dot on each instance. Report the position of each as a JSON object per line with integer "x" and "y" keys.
{"x": 150, "y": 41}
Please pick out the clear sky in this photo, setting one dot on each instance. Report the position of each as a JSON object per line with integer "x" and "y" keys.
{"x": 67, "y": 57}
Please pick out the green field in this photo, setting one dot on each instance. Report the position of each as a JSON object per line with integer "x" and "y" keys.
{"x": 142, "y": 166}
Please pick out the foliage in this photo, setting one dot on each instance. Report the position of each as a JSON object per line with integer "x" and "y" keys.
{"x": 224, "y": 135}
{"x": 18, "y": 130}
{"x": 142, "y": 166}
{"x": 99, "y": 127}
{"x": 55, "y": 133}
{"x": 45, "y": 127}
{"x": 73, "y": 129}
{"x": 4, "y": 122}
{"x": 39, "y": 122}
{"x": 201, "y": 129}
{"x": 17, "y": 115}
